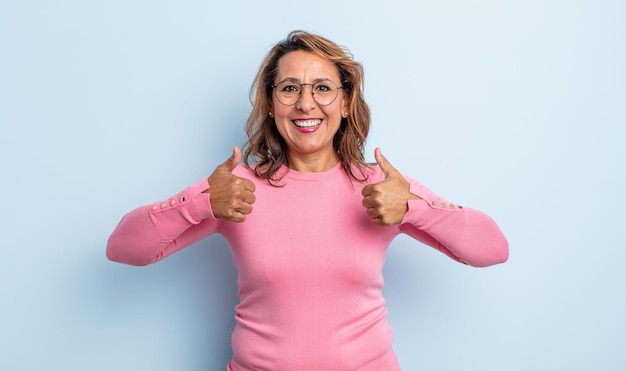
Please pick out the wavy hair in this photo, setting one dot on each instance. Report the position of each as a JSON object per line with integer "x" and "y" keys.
{"x": 265, "y": 143}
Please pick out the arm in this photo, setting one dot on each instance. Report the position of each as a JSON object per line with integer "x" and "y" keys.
{"x": 152, "y": 232}
{"x": 465, "y": 235}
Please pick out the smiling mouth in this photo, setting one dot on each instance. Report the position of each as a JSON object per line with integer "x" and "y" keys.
{"x": 307, "y": 124}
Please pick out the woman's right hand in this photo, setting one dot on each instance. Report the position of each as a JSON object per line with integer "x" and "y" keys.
{"x": 231, "y": 197}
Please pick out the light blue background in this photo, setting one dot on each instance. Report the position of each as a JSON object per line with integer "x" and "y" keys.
{"x": 513, "y": 107}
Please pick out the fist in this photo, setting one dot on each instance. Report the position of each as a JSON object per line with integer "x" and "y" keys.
{"x": 387, "y": 201}
{"x": 231, "y": 197}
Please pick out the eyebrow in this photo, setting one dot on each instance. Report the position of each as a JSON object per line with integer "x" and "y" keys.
{"x": 293, "y": 79}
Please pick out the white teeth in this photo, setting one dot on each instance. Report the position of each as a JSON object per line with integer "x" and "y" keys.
{"x": 307, "y": 123}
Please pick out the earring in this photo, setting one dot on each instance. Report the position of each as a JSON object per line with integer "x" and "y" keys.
{"x": 344, "y": 115}
{"x": 270, "y": 114}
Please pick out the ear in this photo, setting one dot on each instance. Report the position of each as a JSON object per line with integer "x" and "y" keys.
{"x": 345, "y": 108}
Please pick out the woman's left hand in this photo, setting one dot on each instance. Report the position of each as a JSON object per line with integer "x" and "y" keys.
{"x": 387, "y": 201}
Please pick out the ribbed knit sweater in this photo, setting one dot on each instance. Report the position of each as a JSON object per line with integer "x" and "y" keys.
{"x": 309, "y": 263}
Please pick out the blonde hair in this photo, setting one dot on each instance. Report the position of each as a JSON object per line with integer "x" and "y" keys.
{"x": 265, "y": 143}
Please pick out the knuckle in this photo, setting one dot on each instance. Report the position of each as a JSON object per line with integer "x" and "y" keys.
{"x": 250, "y": 185}
{"x": 376, "y": 203}
{"x": 233, "y": 204}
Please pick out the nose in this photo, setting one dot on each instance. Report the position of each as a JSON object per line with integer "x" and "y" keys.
{"x": 306, "y": 101}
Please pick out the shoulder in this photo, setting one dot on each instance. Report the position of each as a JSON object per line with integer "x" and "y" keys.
{"x": 244, "y": 172}
{"x": 374, "y": 173}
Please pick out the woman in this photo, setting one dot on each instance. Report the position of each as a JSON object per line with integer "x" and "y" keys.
{"x": 310, "y": 222}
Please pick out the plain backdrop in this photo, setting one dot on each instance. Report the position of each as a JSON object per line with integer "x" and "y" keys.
{"x": 516, "y": 108}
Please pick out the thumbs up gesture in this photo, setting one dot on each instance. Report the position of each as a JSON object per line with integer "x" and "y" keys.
{"x": 387, "y": 201}
{"x": 231, "y": 197}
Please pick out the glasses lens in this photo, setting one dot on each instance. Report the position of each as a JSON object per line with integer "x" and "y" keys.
{"x": 288, "y": 93}
{"x": 324, "y": 92}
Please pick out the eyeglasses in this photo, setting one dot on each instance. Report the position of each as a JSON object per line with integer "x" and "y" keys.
{"x": 289, "y": 93}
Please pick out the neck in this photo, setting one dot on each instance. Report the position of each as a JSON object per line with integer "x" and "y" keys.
{"x": 313, "y": 163}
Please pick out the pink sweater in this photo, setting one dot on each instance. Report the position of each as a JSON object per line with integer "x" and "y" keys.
{"x": 309, "y": 264}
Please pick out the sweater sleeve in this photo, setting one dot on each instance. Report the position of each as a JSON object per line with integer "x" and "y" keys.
{"x": 151, "y": 232}
{"x": 466, "y": 235}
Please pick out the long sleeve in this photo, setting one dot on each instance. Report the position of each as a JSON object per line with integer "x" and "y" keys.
{"x": 466, "y": 235}
{"x": 151, "y": 232}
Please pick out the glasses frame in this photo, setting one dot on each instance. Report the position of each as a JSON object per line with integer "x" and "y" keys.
{"x": 312, "y": 92}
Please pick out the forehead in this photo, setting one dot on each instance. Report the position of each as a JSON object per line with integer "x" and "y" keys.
{"x": 305, "y": 66}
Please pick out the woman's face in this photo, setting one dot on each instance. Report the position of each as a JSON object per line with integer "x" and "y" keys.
{"x": 307, "y": 127}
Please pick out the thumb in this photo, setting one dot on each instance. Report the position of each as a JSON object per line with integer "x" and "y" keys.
{"x": 232, "y": 162}
{"x": 384, "y": 165}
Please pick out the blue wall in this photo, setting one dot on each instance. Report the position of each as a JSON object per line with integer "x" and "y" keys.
{"x": 513, "y": 107}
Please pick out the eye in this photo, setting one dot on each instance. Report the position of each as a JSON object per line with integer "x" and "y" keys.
{"x": 289, "y": 88}
{"x": 322, "y": 88}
